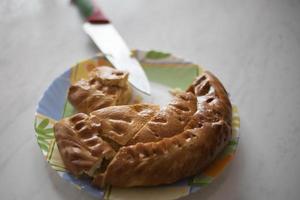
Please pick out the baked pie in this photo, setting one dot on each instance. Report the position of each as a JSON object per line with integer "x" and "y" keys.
{"x": 142, "y": 144}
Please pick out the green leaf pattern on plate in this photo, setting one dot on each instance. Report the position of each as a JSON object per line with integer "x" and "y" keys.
{"x": 44, "y": 134}
{"x": 200, "y": 180}
{"x": 157, "y": 55}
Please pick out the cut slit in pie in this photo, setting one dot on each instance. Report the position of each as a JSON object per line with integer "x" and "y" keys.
{"x": 105, "y": 87}
{"x": 165, "y": 146}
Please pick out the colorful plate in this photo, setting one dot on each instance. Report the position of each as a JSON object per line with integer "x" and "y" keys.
{"x": 165, "y": 72}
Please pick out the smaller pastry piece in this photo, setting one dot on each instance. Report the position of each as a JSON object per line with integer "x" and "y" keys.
{"x": 79, "y": 143}
{"x": 169, "y": 121}
{"x": 105, "y": 87}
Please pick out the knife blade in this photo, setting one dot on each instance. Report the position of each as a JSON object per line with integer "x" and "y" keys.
{"x": 111, "y": 44}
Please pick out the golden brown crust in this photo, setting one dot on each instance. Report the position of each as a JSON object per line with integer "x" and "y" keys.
{"x": 110, "y": 76}
{"x": 120, "y": 123}
{"x": 105, "y": 87}
{"x": 182, "y": 155}
{"x": 169, "y": 121}
{"x": 212, "y": 97}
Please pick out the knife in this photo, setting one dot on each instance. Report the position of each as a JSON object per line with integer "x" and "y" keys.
{"x": 111, "y": 44}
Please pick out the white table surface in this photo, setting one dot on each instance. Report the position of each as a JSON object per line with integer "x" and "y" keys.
{"x": 252, "y": 46}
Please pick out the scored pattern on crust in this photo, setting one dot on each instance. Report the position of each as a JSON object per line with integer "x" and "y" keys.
{"x": 169, "y": 121}
{"x": 105, "y": 87}
{"x": 80, "y": 145}
{"x": 120, "y": 123}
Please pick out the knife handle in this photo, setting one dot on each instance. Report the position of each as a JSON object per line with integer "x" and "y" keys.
{"x": 91, "y": 11}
